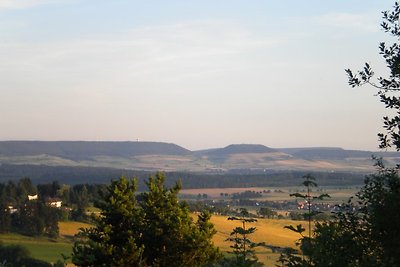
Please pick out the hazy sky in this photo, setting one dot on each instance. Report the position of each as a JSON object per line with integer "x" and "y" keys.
{"x": 201, "y": 74}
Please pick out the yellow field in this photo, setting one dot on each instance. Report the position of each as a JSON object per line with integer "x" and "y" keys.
{"x": 69, "y": 229}
{"x": 270, "y": 231}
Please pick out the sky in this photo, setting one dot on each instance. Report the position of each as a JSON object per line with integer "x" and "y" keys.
{"x": 200, "y": 74}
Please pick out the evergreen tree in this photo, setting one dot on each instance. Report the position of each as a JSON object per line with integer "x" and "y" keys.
{"x": 80, "y": 196}
{"x": 27, "y": 221}
{"x": 170, "y": 237}
{"x": 113, "y": 240}
{"x": 243, "y": 247}
{"x": 36, "y": 218}
{"x": 5, "y": 216}
{"x": 306, "y": 241}
{"x": 157, "y": 231}
{"x": 25, "y": 188}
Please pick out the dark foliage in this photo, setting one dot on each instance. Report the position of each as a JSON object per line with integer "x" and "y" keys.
{"x": 21, "y": 215}
{"x": 155, "y": 231}
{"x": 387, "y": 87}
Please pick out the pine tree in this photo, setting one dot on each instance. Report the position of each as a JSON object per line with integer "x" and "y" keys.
{"x": 158, "y": 230}
{"x": 170, "y": 236}
{"x": 306, "y": 241}
{"x": 113, "y": 240}
{"x": 242, "y": 246}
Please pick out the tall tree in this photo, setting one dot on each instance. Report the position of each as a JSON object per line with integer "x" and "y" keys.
{"x": 380, "y": 196}
{"x": 25, "y": 188}
{"x": 113, "y": 240}
{"x": 366, "y": 230}
{"x": 156, "y": 231}
{"x": 5, "y": 214}
{"x": 388, "y": 87}
{"x": 306, "y": 241}
{"x": 36, "y": 218}
{"x": 242, "y": 246}
{"x": 170, "y": 236}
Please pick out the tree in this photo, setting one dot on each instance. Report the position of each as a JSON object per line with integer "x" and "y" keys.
{"x": 379, "y": 202}
{"x": 170, "y": 237}
{"x": 48, "y": 190}
{"x": 380, "y": 196}
{"x": 80, "y": 196}
{"x": 306, "y": 241}
{"x": 387, "y": 87}
{"x": 25, "y": 188}
{"x": 243, "y": 247}
{"x": 155, "y": 231}
{"x": 5, "y": 215}
{"x": 365, "y": 231}
{"x": 36, "y": 218}
{"x": 113, "y": 240}
{"x": 267, "y": 212}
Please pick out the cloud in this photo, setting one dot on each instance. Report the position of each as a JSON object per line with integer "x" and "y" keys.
{"x": 361, "y": 22}
{"x": 171, "y": 52}
{"x": 19, "y": 4}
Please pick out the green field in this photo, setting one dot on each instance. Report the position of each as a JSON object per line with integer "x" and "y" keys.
{"x": 46, "y": 249}
{"x": 40, "y": 248}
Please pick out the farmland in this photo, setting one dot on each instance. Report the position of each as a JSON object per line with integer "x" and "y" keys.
{"x": 269, "y": 231}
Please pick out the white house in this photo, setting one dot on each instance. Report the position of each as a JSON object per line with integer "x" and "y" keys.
{"x": 54, "y": 202}
{"x": 32, "y": 197}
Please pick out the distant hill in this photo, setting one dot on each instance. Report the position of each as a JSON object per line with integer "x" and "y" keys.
{"x": 152, "y": 156}
{"x": 241, "y": 156}
{"x": 78, "y": 150}
{"x": 236, "y": 149}
{"x": 333, "y": 153}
